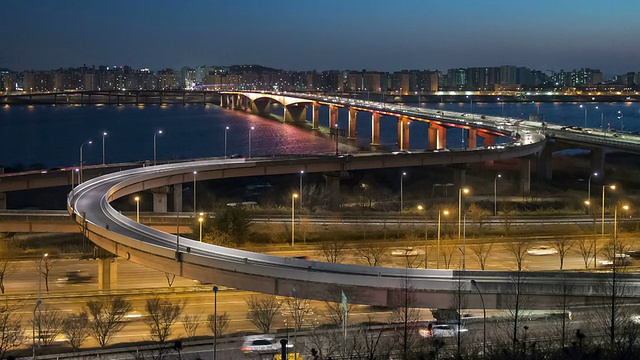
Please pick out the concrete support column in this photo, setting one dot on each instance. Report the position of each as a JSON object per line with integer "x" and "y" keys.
{"x": 177, "y": 198}
{"x": 525, "y": 176}
{"x": 295, "y": 114}
{"x": 160, "y": 199}
{"x": 598, "y": 156}
{"x": 333, "y": 116}
{"x": 545, "y": 163}
{"x": 488, "y": 140}
{"x": 437, "y": 137}
{"x": 353, "y": 113}
{"x": 3, "y": 196}
{"x": 107, "y": 273}
{"x": 315, "y": 118}
{"x": 375, "y": 128}
{"x": 472, "y": 138}
{"x": 460, "y": 177}
{"x": 333, "y": 188}
{"x": 403, "y": 132}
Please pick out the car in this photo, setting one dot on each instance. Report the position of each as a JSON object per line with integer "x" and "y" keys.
{"x": 75, "y": 277}
{"x": 542, "y": 250}
{"x": 408, "y": 251}
{"x": 434, "y": 330}
{"x": 401, "y": 152}
{"x": 635, "y": 319}
{"x": 261, "y": 344}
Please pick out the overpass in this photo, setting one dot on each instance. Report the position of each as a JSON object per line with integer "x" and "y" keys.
{"x": 89, "y": 204}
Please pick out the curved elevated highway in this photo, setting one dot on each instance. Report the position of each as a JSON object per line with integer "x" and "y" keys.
{"x": 89, "y": 204}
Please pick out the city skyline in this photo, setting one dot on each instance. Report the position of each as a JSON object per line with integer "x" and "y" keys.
{"x": 322, "y": 36}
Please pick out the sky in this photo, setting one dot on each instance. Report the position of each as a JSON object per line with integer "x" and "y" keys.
{"x": 374, "y": 35}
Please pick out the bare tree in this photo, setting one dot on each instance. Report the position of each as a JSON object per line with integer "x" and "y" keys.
{"x": 518, "y": 248}
{"x": 11, "y": 335}
{"x": 221, "y": 322}
{"x": 332, "y": 251}
{"x": 563, "y": 244}
{"x": 191, "y": 325}
{"x": 7, "y": 254}
{"x": 447, "y": 253}
{"x": 406, "y": 336}
{"x": 262, "y": 311}
{"x": 459, "y": 302}
{"x": 478, "y": 216}
{"x": 507, "y": 221}
{"x": 106, "y": 317}
{"x": 162, "y": 314}
{"x": 586, "y": 250}
{"x": 170, "y": 278}
{"x": 76, "y": 328}
{"x": 299, "y": 310}
{"x": 481, "y": 252}
{"x": 517, "y": 302}
{"x": 44, "y": 266}
{"x": 372, "y": 344}
{"x": 374, "y": 253}
{"x": 49, "y": 324}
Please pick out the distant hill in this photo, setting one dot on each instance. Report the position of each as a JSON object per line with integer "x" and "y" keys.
{"x": 237, "y": 69}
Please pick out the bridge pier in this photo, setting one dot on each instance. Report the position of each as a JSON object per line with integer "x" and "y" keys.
{"x": 295, "y": 114}
{"x": 598, "y": 157}
{"x": 403, "y": 132}
{"x": 525, "y": 176}
{"x": 545, "y": 163}
{"x": 437, "y": 137}
{"x": 315, "y": 117}
{"x": 261, "y": 107}
{"x": 160, "y": 199}
{"x": 460, "y": 176}
{"x": 375, "y": 128}
{"x": 333, "y": 116}
{"x": 353, "y": 114}
{"x": 472, "y": 138}
{"x": 177, "y": 198}
{"x": 107, "y": 273}
{"x": 332, "y": 181}
{"x": 3, "y": 196}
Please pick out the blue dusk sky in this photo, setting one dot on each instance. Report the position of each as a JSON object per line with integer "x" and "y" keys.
{"x": 322, "y": 34}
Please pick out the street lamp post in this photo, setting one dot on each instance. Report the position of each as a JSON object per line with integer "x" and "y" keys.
{"x": 200, "y": 220}
{"x": 195, "y": 175}
{"x": 585, "y": 114}
{"x": 215, "y": 322}
{"x": 620, "y": 117}
{"x": 155, "y": 145}
{"x": 595, "y": 249}
{"x": 226, "y": 130}
{"x": 426, "y": 238}
{"x": 589, "y": 186}
{"x": 604, "y": 130}
{"x": 81, "y": 146}
{"x": 250, "y": 131}
{"x": 440, "y": 212}
{"x": 402, "y": 190}
{"x": 137, "y": 199}
{"x": 464, "y": 244}
{"x": 501, "y": 106}
{"x": 484, "y": 319}
{"x": 178, "y": 257}
{"x": 104, "y": 134}
{"x": 301, "y": 174}
{"x": 495, "y": 194}
{"x": 39, "y": 302}
{"x": 294, "y": 196}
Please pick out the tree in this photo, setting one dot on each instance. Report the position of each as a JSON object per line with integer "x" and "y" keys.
{"x": 586, "y": 250}
{"x": 478, "y": 216}
{"x": 218, "y": 324}
{"x": 507, "y": 221}
{"x": 563, "y": 244}
{"x": 11, "y": 335}
{"x": 75, "y": 328}
{"x": 44, "y": 266}
{"x": 518, "y": 248}
{"x": 262, "y": 311}
{"x": 407, "y": 316}
{"x": 234, "y": 221}
{"x": 7, "y": 254}
{"x": 481, "y": 252}
{"x": 191, "y": 325}
{"x": 106, "y": 317}
{"x": 332, "y": 251}
{"x": 447, "y": 253}
{"x": 48, "y": 325}
{"x": 162, "y": 314}
{"x": 374, "y": 253}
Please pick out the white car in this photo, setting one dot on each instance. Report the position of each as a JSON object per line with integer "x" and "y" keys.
{"x": 441, "y": 330}
{"x": 542, "y": 250}
{"x": 409, "y": 251}
{"x": 262, "y": 344}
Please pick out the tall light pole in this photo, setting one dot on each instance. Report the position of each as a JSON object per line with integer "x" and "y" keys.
{"x": 615, "y": 227}
{"x": 426, "y": 238}
{"x": 589, "y": 186}
{"x": 301, "y": 174}
{"x": 595, "y": 247}
{"x": 200, "y": 220}
{"x": 604, "y": 132}
{"x": 495, "y": 194}
{"x": 155, "y": 145}
{"x": 402, "y": 191}
{"x": 195, "y": 174}
{"x": 215, "y": 322}
{"x": 81, "y": 146}
{"x": 471, "y": 102}
{"x": 178, "y": 257}
{"x": 502, "y": 107}
{"x": 104, "y": 134}
{"x": 39, "y": 302}
{"x": 137, "y": 199}
{"x": 440, "y": 213}
{"x": 585, "y": 114}
{"x": 226, "y": 130}
{"x": 484, "y": 319}
{"x": 464, "y": 244}
{"x": 250, "y": 131}
{"x": 620, "y": 117}
{"x": 294, "y": 196}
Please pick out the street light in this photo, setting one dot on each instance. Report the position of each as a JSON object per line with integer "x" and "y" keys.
{"x": 226, "y": 130}
{"x": 484, "y": 319}
{"x": 464, "y": 243}
{"x": 595, "y": 247}
{"x": 195, "y": 173}
{"x": 602, "y": 121}
{"x": 502, "y": 106}
{"x": 39, "y": 302}
{"x": 294, "y": 196}
{"x": 301, "y": 174}
{"x": 250, "y": 131}
{"x": 83, "y": 144}
{"x": 440, "y": 212}
{"x": 155, "y": 145}
{"x": 585, "y": 114}
{"x": 589, "y": 186}
{"x": 200, "y": 220}
{"x": 215, "y": 321}
{"x": 495, "y": 194}
{"x": 104, "y": 134}
{"x": 426, "y": 238}
{"x": 615, "y": 227}
{"x": 178, "y": 257}
{"x": 620, "y": 117}
{"x": 402, "y": 190}
{"x": 137, "y": 199}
